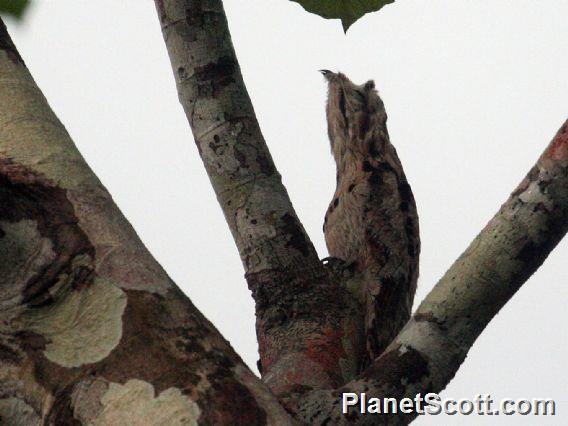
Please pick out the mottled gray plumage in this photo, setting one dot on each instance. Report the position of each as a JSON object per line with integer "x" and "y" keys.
{"x": 371, "y": 223}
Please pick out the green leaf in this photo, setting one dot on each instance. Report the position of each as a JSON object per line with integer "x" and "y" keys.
{"x": 13, "y": 7}
{"x": 346, "y": 10}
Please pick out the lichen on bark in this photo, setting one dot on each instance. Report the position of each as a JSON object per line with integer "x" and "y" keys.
{"x": 88, "y": 315}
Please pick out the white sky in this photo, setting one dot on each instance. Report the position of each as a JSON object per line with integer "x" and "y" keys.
{"x": 474, "y": 92}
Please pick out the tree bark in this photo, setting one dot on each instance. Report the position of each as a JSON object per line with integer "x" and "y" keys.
{"x": 92, "y": 330}
{"x": 307, "y": 329}
{"x": 427, "y": 353}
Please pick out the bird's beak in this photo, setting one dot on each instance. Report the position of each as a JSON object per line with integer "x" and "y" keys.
{"x": 325, "y": 72}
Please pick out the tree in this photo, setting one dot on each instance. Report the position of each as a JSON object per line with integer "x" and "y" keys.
{"x": 134, "y": 333}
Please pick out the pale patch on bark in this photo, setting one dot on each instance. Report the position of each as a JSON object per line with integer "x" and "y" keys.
{"x": 223, "y": 154}
{"x": 260, "y": 236}
{"x": 426, "y": 338}
{"x": 47, "y": 144}
{"x": 15, "y": 412}
{"x": 533, "y": 194}
{"x": 86, "y": 399}
{"x": 83, "y": 327}
{"x": 134, "y": 403}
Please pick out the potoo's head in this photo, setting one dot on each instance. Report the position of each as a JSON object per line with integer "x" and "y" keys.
{"x": 336, "y": 77}
{"x": 345, "y": 96}
{"x": 328, "y": 75}
{"x": 351, "y": 110}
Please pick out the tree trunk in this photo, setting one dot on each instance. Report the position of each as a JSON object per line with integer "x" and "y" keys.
{"x": 92, "y": 330}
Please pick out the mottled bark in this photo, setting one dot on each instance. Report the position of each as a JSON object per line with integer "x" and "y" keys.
{"x": 427, "y": 353}
{"x": 302, "y": 321}
{"x": 92, "y": 330}
{"x": 305, "y": 324}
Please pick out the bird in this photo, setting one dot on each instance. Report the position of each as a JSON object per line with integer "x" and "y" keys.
{"x": 371, "y": 225}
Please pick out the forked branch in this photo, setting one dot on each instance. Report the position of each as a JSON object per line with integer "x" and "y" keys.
{"x": 304, "y": 324}
{"x": 427, "y": 353}
{"x": 302, "y": 320}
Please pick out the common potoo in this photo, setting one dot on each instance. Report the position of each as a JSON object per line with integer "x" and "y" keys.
{"x": 371, "y": 223}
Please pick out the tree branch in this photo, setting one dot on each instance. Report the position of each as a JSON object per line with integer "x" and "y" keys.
{"x": 305, "y": 325}
{"x": 91, "y": 327}
{"x": 427, "y": 353}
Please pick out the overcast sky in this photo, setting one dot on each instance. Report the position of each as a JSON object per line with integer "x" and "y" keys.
{"x": 474, "y": 91}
